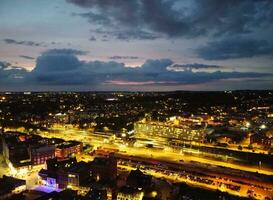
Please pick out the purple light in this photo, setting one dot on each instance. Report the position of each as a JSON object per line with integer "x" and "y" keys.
{"x": 46, "y": 189}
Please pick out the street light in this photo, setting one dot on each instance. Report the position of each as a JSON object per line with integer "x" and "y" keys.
{"x": 248, "y": 124}
{"x": 263, "y": 126}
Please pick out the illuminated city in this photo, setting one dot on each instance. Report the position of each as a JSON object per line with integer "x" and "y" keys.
{"x": 136, "y": 99}
{"x": 134, "y": 146}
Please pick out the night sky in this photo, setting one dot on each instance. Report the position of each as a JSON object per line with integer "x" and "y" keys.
{"x": 136, "y": 45}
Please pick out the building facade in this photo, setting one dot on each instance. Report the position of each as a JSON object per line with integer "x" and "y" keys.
{"x": 103, "y": 168}
{"x": 68, "y": 148}
{"x": 169, "y": 129}
{"x": 39, "y": 154}
{"x": 126, "y": 193}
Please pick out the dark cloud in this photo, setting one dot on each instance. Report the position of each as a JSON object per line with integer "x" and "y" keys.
{"x": 214, "y": 19}
{"x": 93, "y": 17}
{"x": 65, "y": 51}
{"x": 232, "y": 17}
{"x": 138, "y": 19}
{"x": 27, "y": 57}
{"x": 11, "y": 74}
{"x": 155, "y": 66}
{"x": 123, "y": 57}
{"x": 126, "y": 34}
{"x": 175, "y": 18}
{"x": 105, "y": 68}
{"x": 92, "y": 38}
{"x": 57, "y": 66}
{"x": 238, "y": 47}
{"x": 26, "y": 43}
{"x": 186, "y": 77}
{"x": 135, "y": 34}
{"x": 4, "y": 65}
{"x": 61, "y": 67}
{"x": 189, "y": 67}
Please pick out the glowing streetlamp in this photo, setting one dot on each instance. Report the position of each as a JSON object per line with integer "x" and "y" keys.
{"x": 263, "y": 126}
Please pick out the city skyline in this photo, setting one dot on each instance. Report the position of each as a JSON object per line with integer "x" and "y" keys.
{"x": 136, "y": 145}
{"x": 92, "y": 45}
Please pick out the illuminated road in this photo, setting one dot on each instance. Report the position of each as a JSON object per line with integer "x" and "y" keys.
{"x": 99, "y": 140}
{"x": 168, "y": 154}
{"x": 233, "y": 147}
{"x": 224, "y": 185}
{"x": 175, "y": 156}
{"x": 178, "y": 158}
{"x": 218, "y": 179}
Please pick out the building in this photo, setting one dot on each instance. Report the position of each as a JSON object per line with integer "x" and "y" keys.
{"x": 78, "y": 174}
{"x": 261, "y": 139}
{"x": 64, "y": 173}
{"x": 174, "y": 128}
{"x": 65, "y": 149}
{"x": 10, "y": 186}
{"x": 39, "y": 154}
{"x": 137, "y": 179}
{"x": 61, "y": 118}
{"x": 15, "y": 152}
{"x": 104, "y": 168}
{"x": 22, "y": 151}
{"x": 126, "y": 193}
{"x": 96, "y": 194}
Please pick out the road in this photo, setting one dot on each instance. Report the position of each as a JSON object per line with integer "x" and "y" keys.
{"x": 174, "y": 156}
{"x": 247, "y": 188}
{"x": 216, "y": 182}
{"x": 99, "y": 140}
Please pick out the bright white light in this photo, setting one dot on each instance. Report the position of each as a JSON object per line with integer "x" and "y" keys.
{"x": 248, "y": 124}
{"x": 263, "y": 126}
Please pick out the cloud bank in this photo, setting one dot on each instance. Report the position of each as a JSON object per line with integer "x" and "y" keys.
{"x": 175, "y": 18}
{"x": 26, "y": 43}
{"x": 61, "y": 67}
{"x": 231, "y": 48}
{"x": 172, "y": 19}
